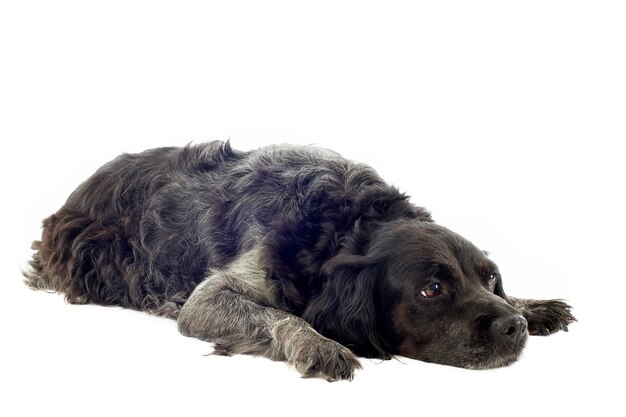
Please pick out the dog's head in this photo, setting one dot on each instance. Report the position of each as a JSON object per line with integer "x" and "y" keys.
{"x": 421, "y": 291}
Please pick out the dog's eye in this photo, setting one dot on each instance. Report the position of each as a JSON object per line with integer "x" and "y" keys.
{"x": 432, "y": 290}
{"x": 493, "y": 278}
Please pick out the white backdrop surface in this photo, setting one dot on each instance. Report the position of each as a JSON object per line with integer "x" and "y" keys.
{"x": 505, "y": 119}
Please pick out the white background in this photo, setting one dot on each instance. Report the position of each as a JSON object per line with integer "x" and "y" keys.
{"x": 503, "y": 118}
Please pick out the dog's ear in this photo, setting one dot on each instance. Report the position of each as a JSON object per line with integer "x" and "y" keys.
{"x": 296, "y": 252}
{"x": 346, "y": 308}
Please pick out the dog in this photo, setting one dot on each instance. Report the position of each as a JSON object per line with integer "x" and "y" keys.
{"x": 287, "y": 252}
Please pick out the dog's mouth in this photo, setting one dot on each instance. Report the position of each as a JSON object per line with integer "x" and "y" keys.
{"x": 500, "y": 358}
{"x": 498, "y": 362}
{"x": 472, "y": 356}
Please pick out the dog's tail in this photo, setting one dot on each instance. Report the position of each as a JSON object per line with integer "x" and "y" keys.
{"x": 34, "y": 274}
{"x": 52, "y": 267}
{"x": 47, "y": 269}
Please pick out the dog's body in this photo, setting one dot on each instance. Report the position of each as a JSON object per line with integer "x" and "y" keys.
{"x": 292, "y": 253}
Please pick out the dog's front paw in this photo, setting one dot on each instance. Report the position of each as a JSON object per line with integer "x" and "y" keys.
{"x": 546, "y": 316}
{"x": 324, "y": 358}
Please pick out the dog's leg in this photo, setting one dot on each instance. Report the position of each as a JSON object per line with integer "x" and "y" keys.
{"x": 544, "y": 316}
{"x": 230, "y": 308}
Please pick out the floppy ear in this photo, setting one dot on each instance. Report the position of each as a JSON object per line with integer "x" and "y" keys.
{"x": 346, "y": 308}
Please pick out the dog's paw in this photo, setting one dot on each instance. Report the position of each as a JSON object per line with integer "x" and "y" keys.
{"x": 547, "y": 316}
{"x": 326, "y": 359}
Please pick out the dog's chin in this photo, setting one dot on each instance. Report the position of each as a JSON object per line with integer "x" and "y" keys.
{"x": 499, "y": 360}
{"x": 478, "y": 361}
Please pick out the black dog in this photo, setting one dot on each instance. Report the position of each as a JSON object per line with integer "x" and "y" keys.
{"x": 292, "y": 253}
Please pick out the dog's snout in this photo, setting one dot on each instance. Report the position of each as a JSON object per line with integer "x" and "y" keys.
{"x": 511, "y": 328}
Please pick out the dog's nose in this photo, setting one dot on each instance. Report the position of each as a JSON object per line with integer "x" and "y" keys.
{"x": 511, "y": 328}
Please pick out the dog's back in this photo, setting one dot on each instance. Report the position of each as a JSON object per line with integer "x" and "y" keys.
{"x": 144, "y": 230}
